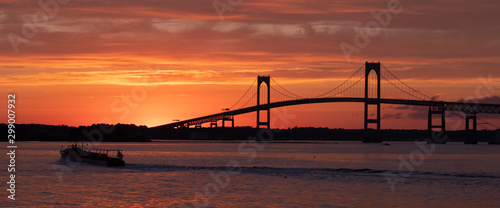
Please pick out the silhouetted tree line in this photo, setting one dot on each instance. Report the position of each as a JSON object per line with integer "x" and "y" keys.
{"x": 133, "y": 133}
{"x": 112, "y": 133}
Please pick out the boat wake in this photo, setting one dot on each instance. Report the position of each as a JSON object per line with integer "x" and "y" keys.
{"x": 285, "y": 171}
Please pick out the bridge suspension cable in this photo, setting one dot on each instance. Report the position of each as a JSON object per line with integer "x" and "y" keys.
{"x": 391, "y": 87}
{"x": 251, "y": 102}
{"x": 401, "y": 91}
{"x": 488, "y": 123}
{"x": 282, "y": 93}
{"x": 245, "y": 98}
{"x": 347, "y": 88}
{"x": 459, "y": 114}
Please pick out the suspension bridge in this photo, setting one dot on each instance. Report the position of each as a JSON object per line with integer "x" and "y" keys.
{"x": 372, "y": 84}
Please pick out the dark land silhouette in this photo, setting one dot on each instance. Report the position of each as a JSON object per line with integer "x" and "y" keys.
{"x": 133, "y": 133}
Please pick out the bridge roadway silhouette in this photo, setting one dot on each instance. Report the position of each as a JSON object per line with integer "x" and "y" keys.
{"x": 349, "y": 91}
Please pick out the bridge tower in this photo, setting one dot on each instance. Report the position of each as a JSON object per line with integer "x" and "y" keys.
{"x": 267, "y": 81}
{"x": 372, "y": 136}
{"x": 471, "y": 137}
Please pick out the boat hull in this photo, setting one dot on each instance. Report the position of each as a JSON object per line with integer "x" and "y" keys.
{"x": 91, "y": 158}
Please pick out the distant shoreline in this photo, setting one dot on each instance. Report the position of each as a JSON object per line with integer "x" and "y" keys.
{"x": 133, "y": 133}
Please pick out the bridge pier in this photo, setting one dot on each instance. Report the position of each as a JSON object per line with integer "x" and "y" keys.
{"x": 471, "y": 137}
{"x": 436, "y": 138}
{"x": 213, "y": 124}
{"x": 496, "y": 139}
{"x": 229, "y": 118}
{"x": 371, "y": 135}
{"x": 267, "y": 81}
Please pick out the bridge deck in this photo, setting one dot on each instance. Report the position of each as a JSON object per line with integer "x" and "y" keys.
{"x": 473, "y": 108}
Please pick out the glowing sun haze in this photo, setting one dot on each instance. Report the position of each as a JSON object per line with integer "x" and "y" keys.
{"x": 82, "y": 65}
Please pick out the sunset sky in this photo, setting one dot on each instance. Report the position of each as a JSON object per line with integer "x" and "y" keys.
{"x": 80, "y": 61}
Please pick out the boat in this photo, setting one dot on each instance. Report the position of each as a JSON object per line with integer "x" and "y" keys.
{"x": 79, "y": 153}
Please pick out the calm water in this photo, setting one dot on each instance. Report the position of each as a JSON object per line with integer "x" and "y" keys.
{"x": 343, "y": 174}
